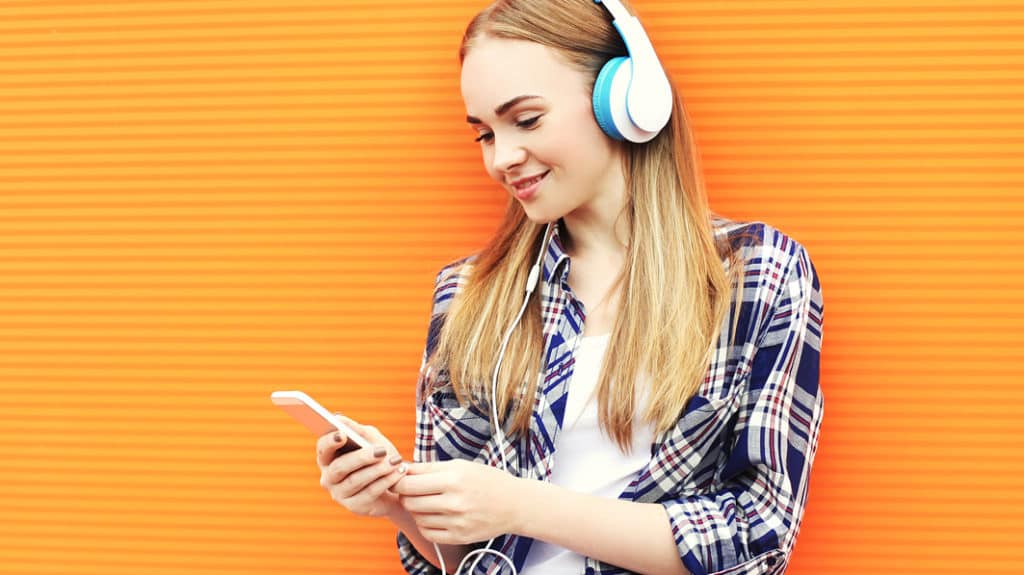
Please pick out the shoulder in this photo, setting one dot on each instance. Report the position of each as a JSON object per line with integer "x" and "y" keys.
{"x": 764, "y": 251}
{"x": 756, "y": 239}
{"x": 447, "y": 283}
{"x": 449, "y": 280}
{"x": 779, "y": 280}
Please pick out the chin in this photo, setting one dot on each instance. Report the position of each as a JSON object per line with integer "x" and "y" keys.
{"x": 540, "y": 216}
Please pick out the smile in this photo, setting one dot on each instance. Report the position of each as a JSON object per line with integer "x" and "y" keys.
{"x": 526, "y": 188}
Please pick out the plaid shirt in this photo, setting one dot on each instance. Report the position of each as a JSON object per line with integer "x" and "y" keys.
{"x": 732, "y": 474}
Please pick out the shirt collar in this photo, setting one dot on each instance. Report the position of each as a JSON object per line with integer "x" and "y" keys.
{"x": 554, "y": 256}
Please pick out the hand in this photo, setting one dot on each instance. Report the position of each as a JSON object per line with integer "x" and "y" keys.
{"x": 360, "y": 480}
{"x": 458, "y": 502}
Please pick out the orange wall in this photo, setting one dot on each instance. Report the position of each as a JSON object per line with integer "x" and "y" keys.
{"x": 204, "y": 201}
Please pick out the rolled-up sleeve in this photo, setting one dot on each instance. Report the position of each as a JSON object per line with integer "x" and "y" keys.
{"x": 747, "y": 524}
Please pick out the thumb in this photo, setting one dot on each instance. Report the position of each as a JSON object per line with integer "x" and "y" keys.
{"x": 356, "y": 427}
{"x": 368, "y": 432}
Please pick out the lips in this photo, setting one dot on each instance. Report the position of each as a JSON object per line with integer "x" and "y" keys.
{"x": 524, "y": 183}
{"x": 524, "y": 189}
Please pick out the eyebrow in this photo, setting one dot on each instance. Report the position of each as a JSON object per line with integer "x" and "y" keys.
{"x": 500, "y": 110}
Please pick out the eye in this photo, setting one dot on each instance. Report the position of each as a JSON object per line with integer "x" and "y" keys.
{"x": 528, "y": 123}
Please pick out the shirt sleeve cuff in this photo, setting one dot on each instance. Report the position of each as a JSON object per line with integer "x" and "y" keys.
{"x": 710, "y": 544}
{"x": 770, "y": 562}
{"x": 412, "y": 561}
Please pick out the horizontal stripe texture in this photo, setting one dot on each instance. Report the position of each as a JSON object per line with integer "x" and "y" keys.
{"x": 204, "y": 201}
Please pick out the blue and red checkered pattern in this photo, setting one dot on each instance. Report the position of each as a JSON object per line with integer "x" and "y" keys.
{"x": 732, "y": 474}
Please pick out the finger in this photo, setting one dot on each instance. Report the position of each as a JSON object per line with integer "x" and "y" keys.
{"x": 327, "y": 447}
{"x": 369, "y": 473}
{"x": 439, "y": 536}
{"x": 350, "y": 484}
{"x": 424, "y": 467}
{"x": 362, "y": 430}
{"x": 375, "y": 489}
{"x": 427, "y": 504}
{"x": 419, "y": 485}
{"x": 369, "y": 433}
{"x": 436, "y": 521}
{"x": 349, "y": 463}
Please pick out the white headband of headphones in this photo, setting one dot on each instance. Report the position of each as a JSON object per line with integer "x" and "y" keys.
{"x": 649, "y": 101}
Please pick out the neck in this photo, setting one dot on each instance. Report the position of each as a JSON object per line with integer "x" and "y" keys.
{"x": 598, "y": 228}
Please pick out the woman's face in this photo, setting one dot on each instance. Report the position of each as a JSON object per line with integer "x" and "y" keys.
{"x": 532, "y": 112}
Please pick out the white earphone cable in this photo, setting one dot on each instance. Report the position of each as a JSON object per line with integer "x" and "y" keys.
{"x": 531, "y": 285}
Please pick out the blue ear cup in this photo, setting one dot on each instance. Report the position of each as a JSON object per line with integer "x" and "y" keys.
{"x": 602, "y": 97}
{"x": 611, "y": 89}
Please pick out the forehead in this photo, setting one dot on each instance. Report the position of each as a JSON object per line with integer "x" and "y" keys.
{"x": 496, "y": 70}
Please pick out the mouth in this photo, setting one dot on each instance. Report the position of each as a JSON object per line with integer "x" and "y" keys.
{"x": 526, "y": 187}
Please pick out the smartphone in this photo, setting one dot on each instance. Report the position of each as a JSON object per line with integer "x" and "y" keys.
{"x": 316, "y": 418}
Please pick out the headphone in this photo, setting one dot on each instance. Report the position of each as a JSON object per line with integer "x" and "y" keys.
{"x": 632, "y": 96}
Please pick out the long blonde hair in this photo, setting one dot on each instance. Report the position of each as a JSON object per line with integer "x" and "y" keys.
{"x": 675, "y": 294}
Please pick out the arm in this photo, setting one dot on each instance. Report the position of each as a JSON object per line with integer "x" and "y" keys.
{"x": 634, "y": 536}
{"x": 415, "y": 559}
{"x": 458, "y": 502}
{"x": 416, "y": 553}
{"x": 748, "y": 519}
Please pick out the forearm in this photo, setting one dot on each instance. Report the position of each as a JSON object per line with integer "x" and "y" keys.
{"x": 634, "y": 536}
{"x": 453, "y": 554}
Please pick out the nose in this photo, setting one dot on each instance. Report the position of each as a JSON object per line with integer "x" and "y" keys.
{"x": 508, "y": 153}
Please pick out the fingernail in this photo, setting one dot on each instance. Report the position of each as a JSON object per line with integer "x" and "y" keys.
{"x": 395, "y": 460}
{"x": 403, "y": 468}
{"x": 337, "y": 438}
{"x": 380, "y": 451}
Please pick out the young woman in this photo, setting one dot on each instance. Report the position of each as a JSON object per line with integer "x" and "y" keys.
{"x": 621, "y": 381}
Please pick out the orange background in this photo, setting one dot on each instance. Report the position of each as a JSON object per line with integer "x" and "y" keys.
{"x": 205, "y": 201}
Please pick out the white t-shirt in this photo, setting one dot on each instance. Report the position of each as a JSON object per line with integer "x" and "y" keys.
{"x": 586, "y": 460}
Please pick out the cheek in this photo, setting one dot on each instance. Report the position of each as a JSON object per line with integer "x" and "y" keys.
{"x": 579, "y": 141}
